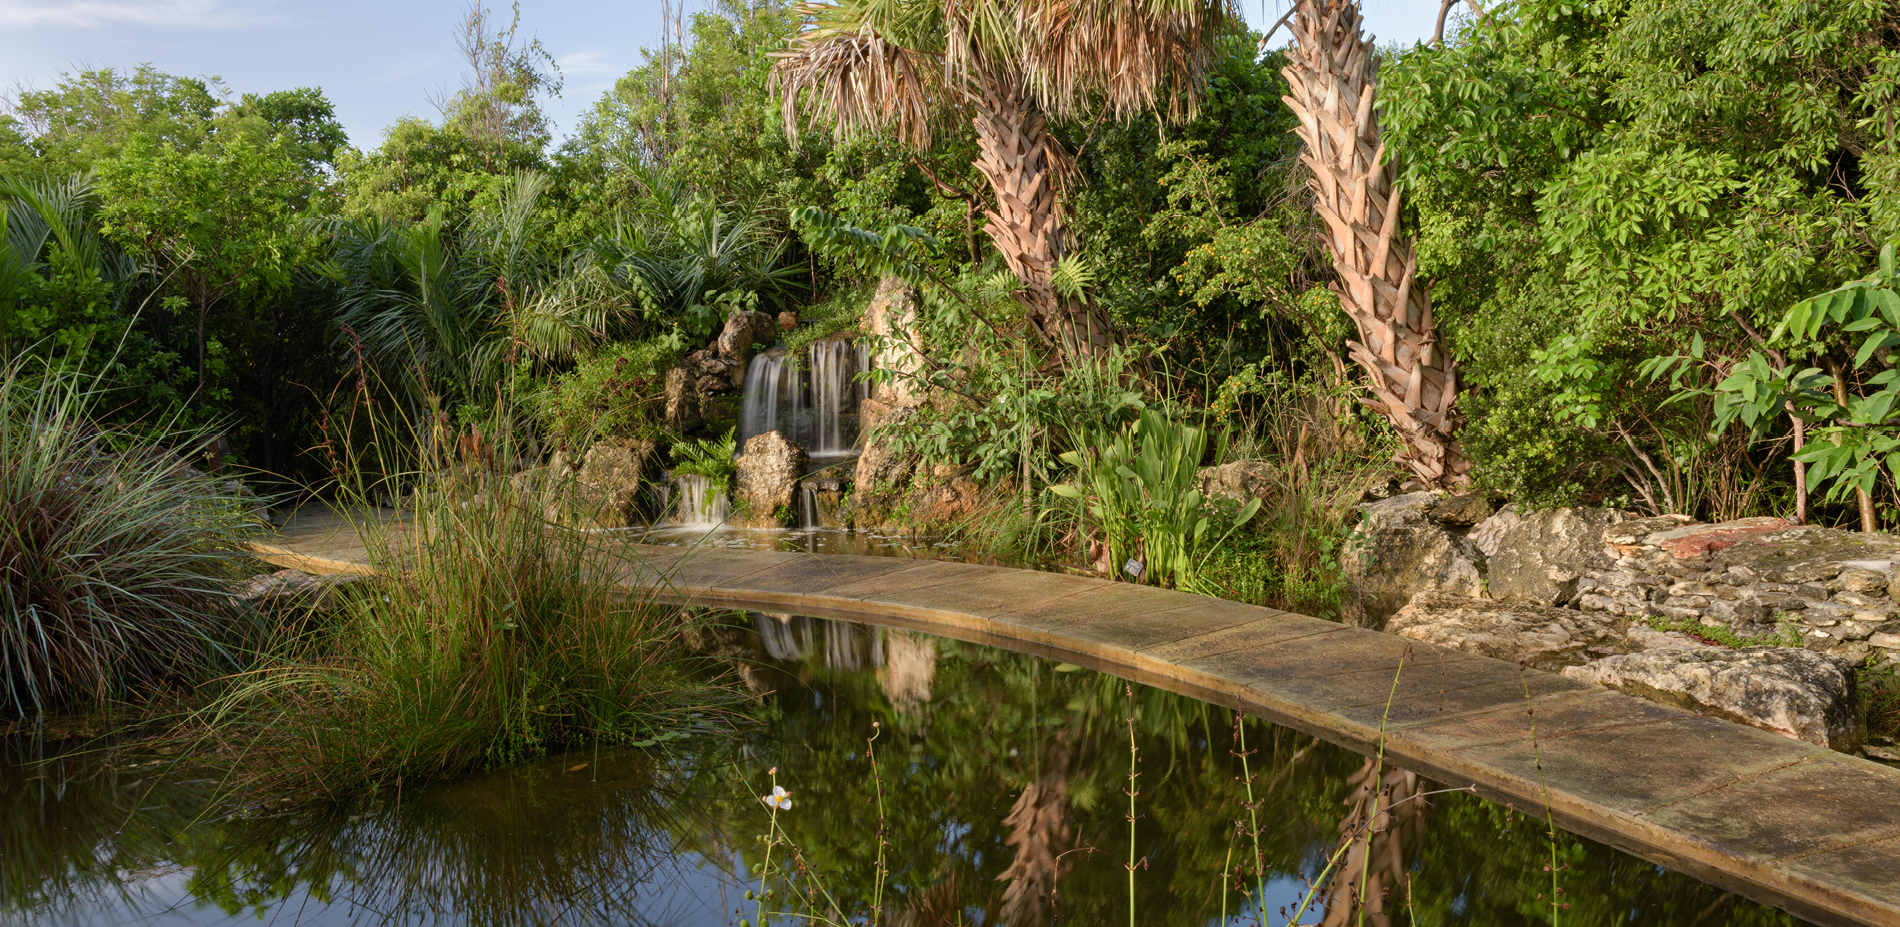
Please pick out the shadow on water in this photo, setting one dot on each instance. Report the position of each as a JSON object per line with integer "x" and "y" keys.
{"x": 1003, "y": 777}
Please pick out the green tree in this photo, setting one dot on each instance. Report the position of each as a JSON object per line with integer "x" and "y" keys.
{"x": 492, "y": 128}
{"x": 215, "y": 226}
{"x": 863, "y": 68}
{"x": 1596, "y": 185}
{"x": 89, "y": 116}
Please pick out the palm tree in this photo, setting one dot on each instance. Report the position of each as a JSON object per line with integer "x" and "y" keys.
{"x": 51, "y": 228}
{"x": 1333, "y": 74}
{"x": 866, "y": 66}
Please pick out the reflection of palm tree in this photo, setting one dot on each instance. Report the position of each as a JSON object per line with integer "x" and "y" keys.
{"x": 1038, "y": 831}
{"x": 1384, "y": 824}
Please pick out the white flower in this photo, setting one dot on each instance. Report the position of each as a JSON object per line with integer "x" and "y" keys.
{"x": 779, "y": 799}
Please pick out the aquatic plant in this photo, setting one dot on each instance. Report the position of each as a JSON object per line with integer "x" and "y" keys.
{"x": 490, "y": 636}
{"x": 1140, "y": 489}
{"x": 114, "y": 551}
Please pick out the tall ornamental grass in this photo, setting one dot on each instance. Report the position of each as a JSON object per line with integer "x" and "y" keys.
{"x": 113, "y": 562}
{"x": 489, "y": 636}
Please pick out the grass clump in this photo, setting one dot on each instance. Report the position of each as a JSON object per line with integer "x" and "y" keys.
{"x": 114, "y": 553}
{"x": 488, "y": 638}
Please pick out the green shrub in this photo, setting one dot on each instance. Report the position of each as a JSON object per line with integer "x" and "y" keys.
{"x": 619, "y": 392}
{"x": 113, "y": 564}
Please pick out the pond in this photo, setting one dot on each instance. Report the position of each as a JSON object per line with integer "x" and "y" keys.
{"x": 999, "y": 786}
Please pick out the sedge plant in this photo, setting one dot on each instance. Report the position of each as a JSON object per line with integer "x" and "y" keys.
{"x": 491, "y": 633}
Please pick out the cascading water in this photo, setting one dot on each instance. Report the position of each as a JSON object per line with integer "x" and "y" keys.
{"x": 833, "y": 369}
{"x": 697, "y": 503}
{"x": 808, "y": 507}
{"x": 813, "y": 400}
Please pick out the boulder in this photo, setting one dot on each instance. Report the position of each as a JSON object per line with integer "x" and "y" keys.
{"x": 1540, "y": 556}
{"x": 767, "y": 479}
{"x": 946, "y": 495}
{"x": 788, "y": 320}
{"x": 607, "y": 488}
{"x": 682, "y": 401}
{"x": 1792, "y": 692}
{"x": 883, "y": 473}
{"x": 736, "y": 341}
{"x": 1489, "y": 534}
{"x": 887, "y": 322}
{"x": 1398, "y": 551}
{"x": 1241, "y": 481}
{"x": 1534, "y": 635}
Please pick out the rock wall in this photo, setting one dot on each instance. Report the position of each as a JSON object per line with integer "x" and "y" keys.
{"x": 1576, "y": 590}
{"x": 1832, "y": 590}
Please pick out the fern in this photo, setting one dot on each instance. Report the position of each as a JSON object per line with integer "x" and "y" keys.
{"x": 708, "y": 457}
{"x": 1073, "y": 277}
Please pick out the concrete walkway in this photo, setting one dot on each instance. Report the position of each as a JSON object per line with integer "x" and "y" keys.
{"x": 1784, "y": 822}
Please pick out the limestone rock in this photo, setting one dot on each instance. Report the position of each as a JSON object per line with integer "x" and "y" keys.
{"x": 1489, "y": 534}
{"x": 1540, "y": 556}
{"x": 294, "y": 589}
{"x": 1241, "y": 481}
{"x": 1795, "y": 693}
{"x": 1397, "y": 552}
{"x": 682, "y": 401}
{"x": 888, "y": 320}
{"x": 736, "y": 341}
{"x": 948, "y": 494}
{"x": 607, "y": 488}
{"x": 1536, "y": 635}
{"x": 1463, "y": 510}
{"x": 768, "y": 472}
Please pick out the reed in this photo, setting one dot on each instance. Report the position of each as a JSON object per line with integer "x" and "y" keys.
{"x": 491, "y": 634}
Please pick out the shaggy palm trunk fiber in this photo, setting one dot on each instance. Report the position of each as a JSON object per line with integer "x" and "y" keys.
{"x": 1333, "y": 75}
{"x": 1020, "y": 161}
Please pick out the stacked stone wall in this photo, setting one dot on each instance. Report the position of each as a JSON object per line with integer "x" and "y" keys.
{"x": 1826, "y": 590}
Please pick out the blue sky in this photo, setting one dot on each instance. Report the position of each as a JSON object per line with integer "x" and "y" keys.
{"x": 378, "y": 61}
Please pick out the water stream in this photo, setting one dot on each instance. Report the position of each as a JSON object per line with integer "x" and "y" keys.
{"x": 1002, "y": 781}
{"x": 813, "y": 399}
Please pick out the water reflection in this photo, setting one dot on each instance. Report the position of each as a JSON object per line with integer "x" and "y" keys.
{"x": 1003, "y": 778}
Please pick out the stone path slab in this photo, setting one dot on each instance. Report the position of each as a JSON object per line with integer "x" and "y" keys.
{"x": 1778, "y": 820}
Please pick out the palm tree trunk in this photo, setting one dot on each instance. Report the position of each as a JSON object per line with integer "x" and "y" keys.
{"x": 1019, "y": 159}
{"x": 1332, "y": 75}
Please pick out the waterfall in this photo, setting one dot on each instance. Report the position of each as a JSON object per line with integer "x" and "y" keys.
{"x": 699, "y": 503}
{"x": 808, "y": 506}
{"x": 760, "y": 412}
{"x": 833, "y": 364}
{"x": 813, "y": 399}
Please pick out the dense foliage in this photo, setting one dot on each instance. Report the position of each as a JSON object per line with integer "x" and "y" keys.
{"x": 1594, "y": 189}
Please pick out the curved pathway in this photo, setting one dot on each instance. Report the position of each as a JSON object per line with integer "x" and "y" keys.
{"x": 1781, "y": 821}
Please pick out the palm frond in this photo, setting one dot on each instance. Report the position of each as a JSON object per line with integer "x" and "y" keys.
{"x": 860, "y": 79}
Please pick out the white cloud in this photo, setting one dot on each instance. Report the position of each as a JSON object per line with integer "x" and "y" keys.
{"x": 94, "y": 14}
{"x": 587, "y": 64}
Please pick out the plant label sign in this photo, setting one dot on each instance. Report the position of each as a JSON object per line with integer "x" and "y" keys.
{"x": 1132, "y": 568}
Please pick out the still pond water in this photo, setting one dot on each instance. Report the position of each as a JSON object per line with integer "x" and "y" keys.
{"x": 1003, "y": 778}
